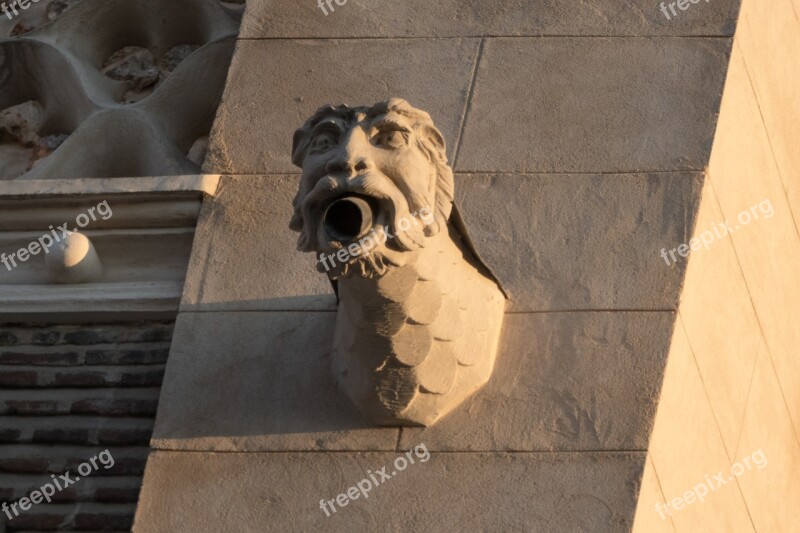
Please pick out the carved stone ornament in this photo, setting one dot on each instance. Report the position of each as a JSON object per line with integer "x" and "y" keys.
{"x": 419, "y": 316}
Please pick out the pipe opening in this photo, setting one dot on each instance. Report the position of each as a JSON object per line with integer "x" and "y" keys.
{"x": 348, "y": 218}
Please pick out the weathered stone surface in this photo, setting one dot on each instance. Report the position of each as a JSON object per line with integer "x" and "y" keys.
{"x": 286, "y": 398}
{"x": 83, "y": 67}
{"x": 245, "y": 255}
{"x": 744, "y": 175}
{"x": 605, "y": 253}
{"x": 594, "y": 105}
{"x": 459, "y": 18}
{"x": 300, "y": 76}
{"x": 720, "y": 322}
{"x": 475, "y": 492}
{"x": 23, "y": 121}
{"x": 557, "y": 386}
{"x": 567, "y": 242}
{"x": 133, "y": 64}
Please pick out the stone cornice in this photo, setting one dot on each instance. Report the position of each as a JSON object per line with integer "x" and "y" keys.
{"x": 144, "y": 245}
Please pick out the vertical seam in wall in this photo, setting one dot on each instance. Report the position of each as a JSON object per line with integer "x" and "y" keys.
{"x": 753, "y": 304}
{"x": 794, "y": 11}
{"x": 766, "y": 134}
{"x": 705, "y": 389}
{"x": 399, "y": 438}
{"x": 200, "y": 289}
{"x": 741, "y": 430}
{"x": 749, "y": 389}
{"x": 732, "y": 456}
{"x": 468, "y": 103}
{"x": 649, "y": 458}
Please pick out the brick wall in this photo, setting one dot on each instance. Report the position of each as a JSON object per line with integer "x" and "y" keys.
{"x": 67, "y": 393}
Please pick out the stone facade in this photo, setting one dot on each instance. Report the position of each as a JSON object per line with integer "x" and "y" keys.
{"x": 592, "y": 144}
{"x": 570, "y": 214}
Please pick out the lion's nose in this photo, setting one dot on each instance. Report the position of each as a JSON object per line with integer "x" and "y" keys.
{"x": 347, "y": 166}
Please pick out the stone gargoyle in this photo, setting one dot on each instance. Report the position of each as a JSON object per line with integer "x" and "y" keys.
{"x": 419, "y": 316}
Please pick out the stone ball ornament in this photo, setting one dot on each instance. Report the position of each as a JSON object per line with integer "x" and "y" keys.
{"x": 419, "y": 316}
{"x": 73, "y": 260}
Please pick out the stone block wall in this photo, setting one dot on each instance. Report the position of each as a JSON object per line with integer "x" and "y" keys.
{"x": 580, "y": 136}
{"x": 68, "y": 392}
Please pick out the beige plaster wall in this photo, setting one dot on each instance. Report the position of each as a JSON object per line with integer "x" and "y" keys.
{"x": 732, "y": 385}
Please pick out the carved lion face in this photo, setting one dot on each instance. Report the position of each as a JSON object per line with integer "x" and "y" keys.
{"x": 375, "y": 182}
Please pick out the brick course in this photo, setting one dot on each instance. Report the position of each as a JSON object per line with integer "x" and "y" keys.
{"x": 68, "y": 392}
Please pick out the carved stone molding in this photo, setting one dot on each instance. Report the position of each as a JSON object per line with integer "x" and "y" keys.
{"x": 419, "y": 316}
{"x": 128, "y": 260}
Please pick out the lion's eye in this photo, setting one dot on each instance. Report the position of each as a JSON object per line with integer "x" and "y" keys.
{"x": 391, "y": 139}
{"x": 322, "y": 142}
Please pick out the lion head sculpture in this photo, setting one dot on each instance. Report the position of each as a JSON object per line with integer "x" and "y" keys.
{"x": 383, "y": 165}
{"x": 419, "y": 318}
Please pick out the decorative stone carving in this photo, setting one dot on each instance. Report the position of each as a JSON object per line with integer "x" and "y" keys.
{"x": 419, "y": 316}
{"x": 142, "y": 95}
{"x": 131, "y": 265}
{"x": 74, "y": 260}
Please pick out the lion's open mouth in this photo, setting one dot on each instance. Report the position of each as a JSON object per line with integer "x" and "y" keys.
{"x": 365, "y": 214}
{"x": 350, "y": 217}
